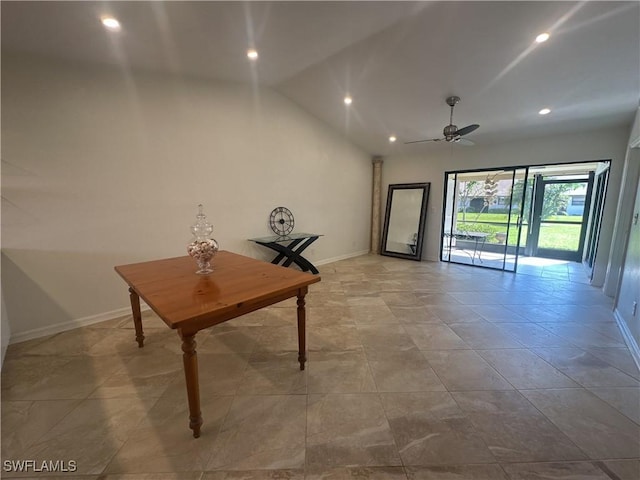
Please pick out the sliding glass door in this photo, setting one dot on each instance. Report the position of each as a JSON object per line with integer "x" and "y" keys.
{"x": 559, "y": 218}
{"x": 483, "y": 218}
{"x": 549, "y": 213}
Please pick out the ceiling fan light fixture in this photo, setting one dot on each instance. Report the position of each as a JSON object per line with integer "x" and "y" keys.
{"x": 451, "y": 132}
{"x": 543, "y": 37}
{"x": 110, "y": 23}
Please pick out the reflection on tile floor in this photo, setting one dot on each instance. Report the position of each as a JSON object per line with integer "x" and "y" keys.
{"x": 416, "y": 370}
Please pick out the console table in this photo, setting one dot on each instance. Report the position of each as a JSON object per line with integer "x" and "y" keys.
{"x": 290, "y": 248}
{"x": 188, "y": 302}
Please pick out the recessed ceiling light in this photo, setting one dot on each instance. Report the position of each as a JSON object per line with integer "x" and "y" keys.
{"x": 252, "y": 54}
{"x": 348, "y": 100}
{"x": 543, "y": 37}
{"x": 392, "y": 138}
{"x": 111, "y": 23}
{"x": 544, "y": 111}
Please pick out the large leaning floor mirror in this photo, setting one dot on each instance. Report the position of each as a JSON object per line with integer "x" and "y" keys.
{"x": 404, "y": 221}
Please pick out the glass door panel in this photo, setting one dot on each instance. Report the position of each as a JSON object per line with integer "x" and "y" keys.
{"x": 559, "y": 219}
{"x": 518, "y": 219}
{"x": 482, "y": 217}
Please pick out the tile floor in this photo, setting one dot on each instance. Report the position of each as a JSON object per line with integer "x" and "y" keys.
{"x": 416, "y": 371}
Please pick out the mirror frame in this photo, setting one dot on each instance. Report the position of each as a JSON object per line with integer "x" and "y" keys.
{"x": 421, "y": 220}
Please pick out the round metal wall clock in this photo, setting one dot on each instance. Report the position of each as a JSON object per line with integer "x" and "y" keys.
{"x": 281, "y": 221}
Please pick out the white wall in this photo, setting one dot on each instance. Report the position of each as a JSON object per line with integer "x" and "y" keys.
{"x": 5, "y": 329}
{"x": 626, "y": 278}
{"x": 106, "y": 167}
{"x": 431, "y": 163}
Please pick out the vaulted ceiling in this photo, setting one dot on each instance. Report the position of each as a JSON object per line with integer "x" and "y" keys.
{"x": 397, "y": 60}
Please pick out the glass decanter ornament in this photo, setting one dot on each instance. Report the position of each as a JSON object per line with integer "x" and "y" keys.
{"x": 202, "y": 248}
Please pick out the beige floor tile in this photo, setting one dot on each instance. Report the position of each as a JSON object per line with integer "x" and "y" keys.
{"x": 333, "y": 338}
{"x": 402, "y": 371}
{"x": 384, "y": 337}
{"x": 364, "y": 315}
{"x": 623, "y": 469}
{"x": 348, "y": 429}
{"x": 72, "y": 342}
{"x": 434, "y": 337}
{"x": 481, "y": 335}
{"x": 428, "y": 298}
{"x": 465, "y": 370}
{"x": 339, "y": 372}
{"x": 365, "y": 300}
{"x": 228, "y": 338}
{"x": 401, "y": 299}
{"x": 430, "y": 429}
{"x": 533, "y": 335}
{"x": 498, "y": 314}
{"x": 584, "y": 368}
{"x": 369, "y": 398}
{"x": 261, "y": 432}
{"x": 454, "y": 313}
{"x": 330, "y": 316}
{"x": 524, "y": 369}
{"x": 280, "y": 474}
{"x": 220, "y": 374}
{"x": 457, "y": 472}
{"x": 55, "y": 377}
{"x": 593, "y": 425}
{"x": 582, "y": 336}
{"x": 163, "y": 442}
{"x": 144, "y": 375}
{"x": 419, "y": 314}
{"x": 91, "y": 433}
{"x": 619, "y": 358}
{"x": 25, "y": 422}
{"x": 273, "y": 373}
{"x": 359, "y": 473}
{"x": 152, "y": 476}
{"x": 555, "y": 471}
{"x": 625, "y": 399}
{"x": 278, "y": 339}
{"x": 326, "y": 299}
{"x": 524, "y": 438}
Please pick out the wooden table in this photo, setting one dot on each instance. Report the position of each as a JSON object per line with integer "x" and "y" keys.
{"x": 188, "y": 302}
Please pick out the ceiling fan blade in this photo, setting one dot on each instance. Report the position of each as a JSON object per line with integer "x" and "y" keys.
{"x": 422, "y": 141}
{"x": 463, "y": 141}
{"x": 467, "y": 129}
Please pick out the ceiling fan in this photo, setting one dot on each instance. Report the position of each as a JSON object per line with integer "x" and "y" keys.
{"x": 451, "y": 132}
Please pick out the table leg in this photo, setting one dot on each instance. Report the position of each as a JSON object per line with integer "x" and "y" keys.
{"x": 137, "y": 316}
{"x": 286, "y": 251}
{"x": 296, "y": 256}
{"x": 190, "y": 360}
{"x": 289, "y": 255}
{"x": 302, "y": 339}
{"x": 484, "y": 239}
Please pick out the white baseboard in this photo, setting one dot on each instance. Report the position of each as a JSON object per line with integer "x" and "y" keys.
{"x": 102, "y": 317}
{"x": 341, "y": 257}
{"x": 70, "y": 325}
{"x": 634, "y": 349}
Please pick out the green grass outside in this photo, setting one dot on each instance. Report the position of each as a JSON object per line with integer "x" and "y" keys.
{"x": 555, "y": 236}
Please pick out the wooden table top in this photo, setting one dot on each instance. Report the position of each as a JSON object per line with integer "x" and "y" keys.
{"x": 178, "y": 295}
